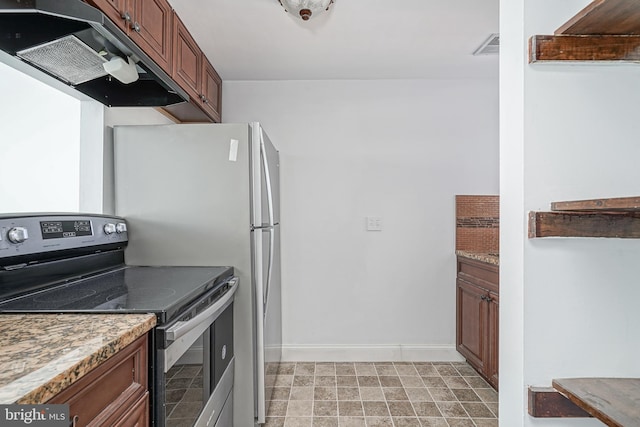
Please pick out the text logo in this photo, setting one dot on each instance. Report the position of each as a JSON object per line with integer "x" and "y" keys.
{"x": 34, "y": 415}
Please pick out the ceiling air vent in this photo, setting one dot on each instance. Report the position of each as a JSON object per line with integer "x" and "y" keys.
{"x": 491, "y": 46}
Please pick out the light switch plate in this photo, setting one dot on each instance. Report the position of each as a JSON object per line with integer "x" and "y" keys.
{"x": 374, "y": 223}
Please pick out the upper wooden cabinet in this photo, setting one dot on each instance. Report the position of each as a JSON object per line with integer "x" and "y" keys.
{"x": 146, "y": 22}
{"x": 162, "y": 35}
{"x": 211, "y": 90}
{"x": 194, "y": 72}
{"x": 187, "y": 60}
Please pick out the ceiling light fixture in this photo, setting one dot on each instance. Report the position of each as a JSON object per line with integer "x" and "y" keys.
{"x": 305, "y": 8}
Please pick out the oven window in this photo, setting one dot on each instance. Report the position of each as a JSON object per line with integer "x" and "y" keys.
{"x": 187, "y": 383}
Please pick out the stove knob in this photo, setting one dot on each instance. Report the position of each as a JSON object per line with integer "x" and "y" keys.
{"x": 121, "y": 227}
{"x": 109, "y": 228}
{"x": 18, "y": 235}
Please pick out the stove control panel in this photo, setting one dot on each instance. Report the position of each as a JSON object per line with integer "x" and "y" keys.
{"x": 40, "y": 233}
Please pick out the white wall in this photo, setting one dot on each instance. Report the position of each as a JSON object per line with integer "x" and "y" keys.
{"x": 568, "y": 306}
{"x": 400, "y": 150}
{"x": 39, "y": 146}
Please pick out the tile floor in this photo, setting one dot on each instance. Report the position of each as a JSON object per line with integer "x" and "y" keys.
{"x": 380, "y": 395}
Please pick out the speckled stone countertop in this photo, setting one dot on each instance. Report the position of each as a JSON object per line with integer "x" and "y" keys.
{"x": 42, "y": 354}
{"x": 488, "y": 258}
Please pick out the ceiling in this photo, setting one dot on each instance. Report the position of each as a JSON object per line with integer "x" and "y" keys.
{"x": 355, "y": 39}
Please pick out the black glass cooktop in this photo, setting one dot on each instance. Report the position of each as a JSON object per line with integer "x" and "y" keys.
{"x": 130, "y": 289}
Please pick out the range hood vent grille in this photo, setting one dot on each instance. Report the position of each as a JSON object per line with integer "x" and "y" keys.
{"x": 68, "y": 58}
{"x": 491, "y": 46}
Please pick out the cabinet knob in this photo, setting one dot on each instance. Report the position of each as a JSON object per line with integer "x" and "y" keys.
{"x": 136, "y": 27}
{"x": 126, "y": 16}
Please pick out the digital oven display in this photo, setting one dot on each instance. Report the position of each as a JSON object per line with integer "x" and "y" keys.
{"x": 63, "y": 229}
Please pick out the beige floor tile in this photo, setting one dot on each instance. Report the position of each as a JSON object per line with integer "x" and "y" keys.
{"x": 274, "y": 422}
{"x": 351, "y": 421}
{"x": 325, "y": 380}
{"x": 487, "y": 394}
{"x": 371, "y": 393}
{"x": 406, "y": 422}
{"x": 401, "y": 409}
{"x": 433, "y": 422}
{"x": 481, "y": 422}
{"x": 303, "y": 380}
{"x": 426, "y": 409}
{"x": 299, "y": 408}
{"x": 325, "y": 393}
{"x": 325, "y": 408}
{"x": 452, "y": 409}
{"x": 298, "y": 422}
{"x": 418, "y": 394}
{"x": 301, "y": 393}
{"x": 305, "y": 369}
{"x": 375, "y": 409}
{"x": 395, "y": 393}
{"x": 345, "y": 369}
{"x": 365, "y": 369}
{"x": 350, "y": 408}
{"x": 460, "y": 422}
{"x": 325, "y": 422}
{"x": 348, "y": 393}
{"x": 347, "y": 381}
{"x": 379, "y": 422}
{"x": 411, "y": 381}
{"x": 477, "y": 410}
{"x": 407, "y": 370}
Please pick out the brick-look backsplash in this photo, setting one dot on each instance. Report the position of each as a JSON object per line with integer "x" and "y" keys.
{"x": 478, "y": 223}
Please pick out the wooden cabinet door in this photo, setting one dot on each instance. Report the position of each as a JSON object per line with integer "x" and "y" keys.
{"x": 212, "y": 91}
{"x": 137, "y": 415}
{"x": 114, "y": 9}
{"x": 151, "y": 30}
{"x": 493, "y": 317}
{"x": 471, "y": 313}
{"x": 187, "y": 60}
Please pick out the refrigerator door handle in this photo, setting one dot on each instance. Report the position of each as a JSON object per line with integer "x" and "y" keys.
{"x": 267, "y": 177}
{"x": 272, "y": 235}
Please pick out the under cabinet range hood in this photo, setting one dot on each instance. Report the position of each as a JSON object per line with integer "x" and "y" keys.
{"x": 72, "y": 42}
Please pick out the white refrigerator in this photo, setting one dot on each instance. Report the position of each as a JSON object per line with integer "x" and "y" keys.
{"x": 208, "y": 194}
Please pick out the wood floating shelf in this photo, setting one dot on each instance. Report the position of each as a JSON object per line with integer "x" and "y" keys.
{"x": 614, "y": 401}
{"x": 621, "y": 204}
{"x": 605, "y": 30}
{"x": 601, "y": 48}
{"x": 617, "y": 218}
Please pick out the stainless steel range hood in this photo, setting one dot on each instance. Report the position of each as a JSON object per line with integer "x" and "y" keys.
{"x": 69, "y": 40}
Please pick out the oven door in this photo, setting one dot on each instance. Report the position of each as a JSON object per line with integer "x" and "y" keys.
{"x": 194, "y": 364}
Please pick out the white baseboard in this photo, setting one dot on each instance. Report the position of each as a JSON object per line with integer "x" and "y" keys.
{"x": 374, "y": 353}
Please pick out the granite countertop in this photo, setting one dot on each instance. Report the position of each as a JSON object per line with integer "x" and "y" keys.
{"x": 492, "y": 258}
{"x": 42, "y": 354}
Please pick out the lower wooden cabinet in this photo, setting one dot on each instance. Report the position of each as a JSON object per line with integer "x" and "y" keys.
{"x": 113, "y": 394}
{"x": 477, "y": 316}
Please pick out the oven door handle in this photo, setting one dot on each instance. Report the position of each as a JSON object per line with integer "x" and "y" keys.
{"x": 182, "y": 328}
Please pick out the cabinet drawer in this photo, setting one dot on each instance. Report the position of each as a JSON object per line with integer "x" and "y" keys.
{"x": 109, "y": 390}
{"x": 479, "y": 273}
